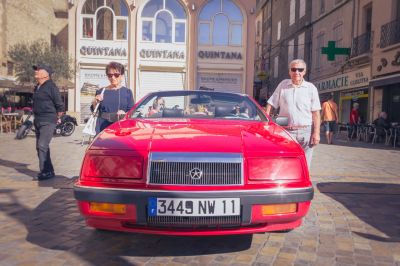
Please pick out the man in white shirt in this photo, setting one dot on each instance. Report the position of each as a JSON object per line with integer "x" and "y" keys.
{"x": 299, "y": 101}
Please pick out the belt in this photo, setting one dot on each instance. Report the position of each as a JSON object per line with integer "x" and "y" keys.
{"x": 296, "y": 127}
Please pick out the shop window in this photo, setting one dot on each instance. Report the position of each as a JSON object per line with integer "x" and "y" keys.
{"x": 179, "y": 32}
{"x": 164, "y": 27}
{"x": 276, "y": 66}
{"x": 318, "y": 55}
{"x": 147, "y": 31}
{"x": 105, "y": 20}
{"x": 236, "y": 34}
{"x": 223, "y": 20}
{"x": 104, "y": 24}
{"x": 204, "y": 33}
{"x": 91, "y": 6}
{"x": 290, "y": 50}
{"x": 321, "y": 7}
{"x": 176, "y": 9}
{"x": 300, "y": 45}
{"x": 118, "y": 6}
{"x": 292, "y": 13}
{"x": 302, "y": 8}
{"x": 221, "y": 30}
{"x": 122, "y": 30}
{"x": 169, "y": 18}
{"x": 87, "y": 28}
{"x": 150, "y": 9}
{"x": 278, "y": 31}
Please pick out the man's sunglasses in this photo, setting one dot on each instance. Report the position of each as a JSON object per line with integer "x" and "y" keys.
{"x": 294, "y": 69}
{"x": 116, "y": 75}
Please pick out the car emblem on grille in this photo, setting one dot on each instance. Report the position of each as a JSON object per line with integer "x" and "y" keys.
{"x": 196, "y": 173}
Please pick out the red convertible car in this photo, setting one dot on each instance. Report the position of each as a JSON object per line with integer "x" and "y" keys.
{"x": 194, "y": 163}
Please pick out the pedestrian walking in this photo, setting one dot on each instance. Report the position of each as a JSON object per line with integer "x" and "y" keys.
{"x": 354, "y": 120}
{"x": 330, "y": 118}
{"x": 298, "y": 100}
{"x": 47, "y": 109}
{"x": 115, "y": 100}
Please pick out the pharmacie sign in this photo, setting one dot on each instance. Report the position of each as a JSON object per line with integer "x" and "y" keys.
{"x": 348, "y": 80}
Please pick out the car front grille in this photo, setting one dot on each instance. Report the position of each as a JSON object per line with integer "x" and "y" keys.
{"x": 194, "y": 221}
{"x": 195, "y": 169}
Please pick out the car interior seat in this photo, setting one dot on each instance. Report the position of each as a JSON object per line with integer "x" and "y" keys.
{"x": 175, "y": 112}
{"x": 223, "y": 110}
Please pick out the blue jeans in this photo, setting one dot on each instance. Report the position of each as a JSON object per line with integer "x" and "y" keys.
{"x": 303, "y": 137}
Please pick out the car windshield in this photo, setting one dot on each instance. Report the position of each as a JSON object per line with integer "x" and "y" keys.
{"x": 198, "y": 104}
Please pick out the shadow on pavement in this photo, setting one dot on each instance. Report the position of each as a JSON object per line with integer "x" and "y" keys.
{"x": 376, "y": 204}
{"x": 20, "y": 167}
{"x": 56, "y": 224}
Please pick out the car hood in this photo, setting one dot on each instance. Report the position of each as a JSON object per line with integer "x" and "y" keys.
{"x": 200, "y": 135}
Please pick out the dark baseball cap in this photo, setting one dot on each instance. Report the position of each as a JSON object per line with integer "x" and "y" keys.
{"x": 43, "y": 66}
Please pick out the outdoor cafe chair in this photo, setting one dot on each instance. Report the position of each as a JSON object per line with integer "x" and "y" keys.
{"x": 5, "y": 124}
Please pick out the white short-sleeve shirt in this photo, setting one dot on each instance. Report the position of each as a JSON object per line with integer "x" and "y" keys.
{"x": 296, "y": 102}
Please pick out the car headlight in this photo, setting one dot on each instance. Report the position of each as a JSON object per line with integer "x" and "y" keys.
{"x": 110, "y": 166}
{"x": 271, "y": 169}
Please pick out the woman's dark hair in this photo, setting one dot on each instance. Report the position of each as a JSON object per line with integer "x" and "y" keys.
{"x": 116, "y": 66}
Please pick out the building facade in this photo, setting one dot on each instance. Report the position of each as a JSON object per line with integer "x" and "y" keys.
{"x": 286, "y": 31}
{"x": 164, "y": 44}
{"x": 37, "y": 19}
{"x": 385, "y": 68}
{"x": 347, "y": 76}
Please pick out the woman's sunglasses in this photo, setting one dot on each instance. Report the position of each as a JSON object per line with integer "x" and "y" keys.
{"x": 116, "y": 75}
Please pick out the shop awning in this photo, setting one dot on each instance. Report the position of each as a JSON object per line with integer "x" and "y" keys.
{"x": 7, "y": 82}
{"x": 392, "y": 79}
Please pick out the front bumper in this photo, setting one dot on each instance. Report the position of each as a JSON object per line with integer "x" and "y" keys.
{"x": 139, "y": 199}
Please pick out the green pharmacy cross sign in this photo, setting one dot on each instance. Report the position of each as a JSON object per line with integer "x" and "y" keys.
{"x": 332, "y": 51}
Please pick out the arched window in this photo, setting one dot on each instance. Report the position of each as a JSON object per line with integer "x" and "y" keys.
{"x": 163, "y": 21}
{"x": 108, "y": 19}
{"x": 220, "y": 23}
{"x": 104, "y": 25}
{"x": 164, "y": 27}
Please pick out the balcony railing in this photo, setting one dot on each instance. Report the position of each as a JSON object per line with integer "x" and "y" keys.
{"x": 390, "y": 33}
{"x": 361, "y": 44}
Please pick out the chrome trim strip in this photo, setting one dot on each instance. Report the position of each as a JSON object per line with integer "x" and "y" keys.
{"x": 277, "y": 190}
{"x": 196, "y": 157}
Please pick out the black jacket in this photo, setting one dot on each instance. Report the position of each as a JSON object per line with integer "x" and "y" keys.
{"x": 47, "y": 102}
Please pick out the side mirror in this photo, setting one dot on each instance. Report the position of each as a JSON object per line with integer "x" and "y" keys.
{"x": 282, "y": 120}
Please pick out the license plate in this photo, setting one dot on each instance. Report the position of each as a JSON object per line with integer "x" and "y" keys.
{"x": 193, "y": 207}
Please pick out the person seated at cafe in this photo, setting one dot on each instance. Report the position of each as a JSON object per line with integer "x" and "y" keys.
{"x": 381, "y": 124}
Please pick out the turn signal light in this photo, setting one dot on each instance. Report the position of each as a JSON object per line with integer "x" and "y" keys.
{"x": 108, "y": 207}
{"x": 278, "y": 209}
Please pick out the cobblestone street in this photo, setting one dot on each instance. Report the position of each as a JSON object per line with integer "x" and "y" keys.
{"x": 354, "y": 218}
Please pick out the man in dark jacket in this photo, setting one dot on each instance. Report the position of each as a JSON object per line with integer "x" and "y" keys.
{"x": 47, "y": 108}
